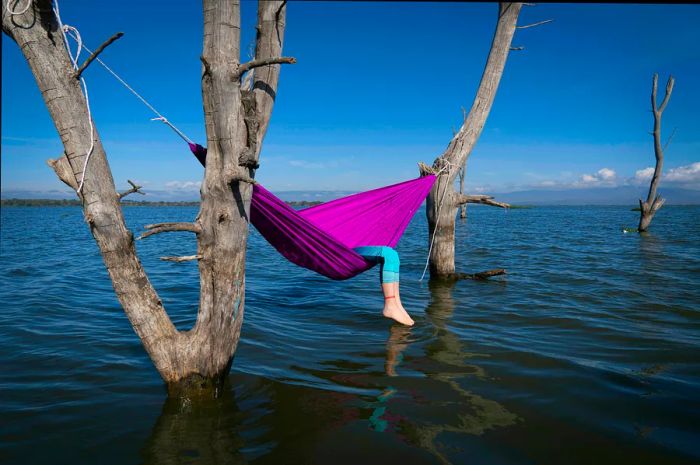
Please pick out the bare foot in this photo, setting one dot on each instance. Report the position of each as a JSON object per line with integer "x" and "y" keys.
{"x": 398, "y": 313}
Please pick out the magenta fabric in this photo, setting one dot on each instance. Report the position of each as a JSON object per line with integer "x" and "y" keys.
{"x": 321, "y": 238}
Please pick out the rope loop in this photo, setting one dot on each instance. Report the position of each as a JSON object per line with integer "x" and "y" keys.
{"x": 18, "y": 12}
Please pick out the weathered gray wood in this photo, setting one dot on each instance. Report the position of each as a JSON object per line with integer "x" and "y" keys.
{"x": 134, "y": 190}
{"x": 462, "y": 207}
{"x": 461, "y": 199}
{"x": 170, "y": 227}
{"x": 96, "y": 53}
{"x": 37, "y": 35}
{"x": 63, "y": 170}
{"x": 270, "y": 37}
{"x": 184, "y": 258}
{"x": 441, "y": 220}
{"x": 201, "y": 357}
{"x": 654, "y": 202}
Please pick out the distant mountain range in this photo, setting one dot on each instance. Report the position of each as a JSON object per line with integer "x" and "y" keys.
{"x": 623, "y": 195}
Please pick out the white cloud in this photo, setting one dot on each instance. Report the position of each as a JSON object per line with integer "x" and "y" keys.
{"x": 684, "y": 174}
{"x": 602, "y": 177}
{"x": 644, "y": 175}
{"x": 183, "y": 185}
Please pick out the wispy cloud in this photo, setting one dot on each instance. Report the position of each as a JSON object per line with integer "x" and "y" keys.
{"x": 685, "y": 174}
{"x": 183, "y": 185}
{"x": 682, "y": 176}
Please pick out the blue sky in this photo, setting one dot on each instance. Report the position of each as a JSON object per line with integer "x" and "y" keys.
{"x": 377, "y": 88}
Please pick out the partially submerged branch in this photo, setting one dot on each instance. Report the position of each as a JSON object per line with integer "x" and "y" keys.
{"x": 169, "y": 227}
{"x": 185, "y": 258}
{"x": 461, "y": 199}
{"x": 134, "y": 190}
{"x": 94, "y": 54}
{"x": 481, "y": 276}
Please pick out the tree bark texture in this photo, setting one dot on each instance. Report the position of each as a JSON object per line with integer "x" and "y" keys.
{"x": 200, "y": 357}
{"x": 654, "y": 202}
{"x": 462, "y": 175}
{"x": 443, "y": 199}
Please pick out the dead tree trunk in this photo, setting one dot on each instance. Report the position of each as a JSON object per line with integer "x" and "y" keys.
{"x": 654, "y": 202}
{"x": 201, "y": 357}
{"x": 443, "y": 199}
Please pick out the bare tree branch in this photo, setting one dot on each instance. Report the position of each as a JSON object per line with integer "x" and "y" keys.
{"x": 264, "y": 62}
{"x": 169, "y": 227}
{"x": 654, "y": 202}
{"x": 669, "y": 89}
{"x": 185, "y": 258}
{"x": 94, "y": 54}
{"x": 134, "y": 190}
{"x": 461, "y": 199}
{"x": 670, "y": 138}
{"x": 534, "y": 24}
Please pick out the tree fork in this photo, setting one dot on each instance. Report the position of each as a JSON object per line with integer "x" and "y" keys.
{"x": 654, "y": 202}
{"x": 198, "y": 359}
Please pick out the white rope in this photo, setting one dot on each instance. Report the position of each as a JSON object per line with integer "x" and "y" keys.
{"x": 143, "y": 100}
{"x": 172, "y": 126}
{"x": 444, "y": 191}
{"x": 74, "y": 60}
{"x": 67, "y": 30}
{"x": 19, "y": 12}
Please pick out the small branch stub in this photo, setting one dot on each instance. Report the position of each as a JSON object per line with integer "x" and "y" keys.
{"x": 243, "y": 68}
{"x": 94, "y": 55}
{"x": 238, "y": 177}
{"x": 63, "y": 170}
{"x": 134, "y": 190}
{"x": 169, "y": 227}
{"x": 534, "y": 24}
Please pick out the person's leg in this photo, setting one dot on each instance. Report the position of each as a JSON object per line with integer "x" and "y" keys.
{"x": 389, "y": 262}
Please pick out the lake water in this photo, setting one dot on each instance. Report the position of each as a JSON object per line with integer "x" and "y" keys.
{"x": 588, "y": 351}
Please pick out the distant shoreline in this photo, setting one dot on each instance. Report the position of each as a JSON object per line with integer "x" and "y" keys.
{"x": 125, "y": 203}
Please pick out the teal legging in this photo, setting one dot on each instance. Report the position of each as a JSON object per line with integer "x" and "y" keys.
{"x": 387, "y": 258}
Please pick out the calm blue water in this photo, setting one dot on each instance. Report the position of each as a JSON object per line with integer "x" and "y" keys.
{"x": 587, "y": 352}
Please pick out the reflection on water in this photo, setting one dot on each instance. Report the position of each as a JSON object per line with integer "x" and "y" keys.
{"x": 462, "y": 411}
{"x": 294, "y": 419}
{"x": 197, "y": 431}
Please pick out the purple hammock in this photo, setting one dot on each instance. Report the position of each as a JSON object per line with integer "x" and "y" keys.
{"x": 321, "y": 238}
